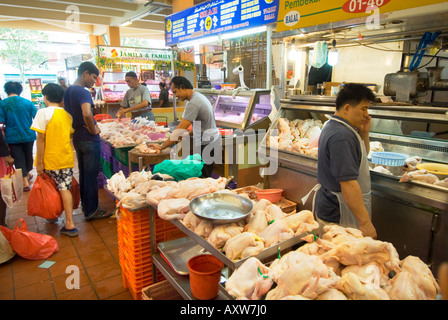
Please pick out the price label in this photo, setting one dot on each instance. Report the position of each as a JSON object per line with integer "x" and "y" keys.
{"x": 360, "y": 6}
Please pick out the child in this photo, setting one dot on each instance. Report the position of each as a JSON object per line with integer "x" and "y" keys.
{"x": 54, "y": 154}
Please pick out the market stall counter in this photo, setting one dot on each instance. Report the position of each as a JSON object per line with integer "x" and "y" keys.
{"x": 412, "y": 207}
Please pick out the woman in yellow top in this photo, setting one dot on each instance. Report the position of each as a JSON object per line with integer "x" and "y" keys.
{"x": 54, "y": 154}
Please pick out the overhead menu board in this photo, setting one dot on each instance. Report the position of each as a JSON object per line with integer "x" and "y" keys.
{"x": 219, "y": 17}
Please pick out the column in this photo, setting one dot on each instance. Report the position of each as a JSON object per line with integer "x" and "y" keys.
{"x": 179, "y": 5}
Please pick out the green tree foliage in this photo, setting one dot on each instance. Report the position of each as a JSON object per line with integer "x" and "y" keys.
{"x": 22, "y": 49}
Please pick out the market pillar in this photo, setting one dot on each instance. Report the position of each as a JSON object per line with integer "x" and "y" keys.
{"x": 179, "y": 5}
{"x": 114, "y": 36}
{"x": 95, "y": 41}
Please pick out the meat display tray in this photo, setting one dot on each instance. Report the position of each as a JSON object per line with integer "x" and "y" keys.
{"x": 267, "y": 255}
{"x": 177, "y": 253}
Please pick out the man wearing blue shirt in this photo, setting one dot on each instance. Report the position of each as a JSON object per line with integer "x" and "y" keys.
{"x": 86, "y": 140}
{"x": 342, "y": 166}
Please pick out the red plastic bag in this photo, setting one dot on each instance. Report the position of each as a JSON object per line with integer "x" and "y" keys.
{"x": 6, "y": 232}
{"x": 44, "y": 199}
{"x": 32, "y": 245}
{"x": 75, "y": 193}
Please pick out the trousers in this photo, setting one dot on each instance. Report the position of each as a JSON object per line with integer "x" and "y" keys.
{"x": 88, "y": 154}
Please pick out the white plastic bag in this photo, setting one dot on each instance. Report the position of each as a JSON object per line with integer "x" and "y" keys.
{"x": 12, "y": 186}
{"x": 6, "y": 252}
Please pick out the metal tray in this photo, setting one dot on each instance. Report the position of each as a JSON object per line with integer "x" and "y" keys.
{"x": 177, "y": 253}
{"x": 267, "y": 255}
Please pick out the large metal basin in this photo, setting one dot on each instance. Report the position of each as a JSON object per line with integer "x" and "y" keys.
{"x": 221, "y": 208}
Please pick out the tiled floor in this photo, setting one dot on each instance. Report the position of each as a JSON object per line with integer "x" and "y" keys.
{"x": 94, "y": 252}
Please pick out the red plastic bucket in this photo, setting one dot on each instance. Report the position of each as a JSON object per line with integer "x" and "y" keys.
{"x": 205, "y": 273}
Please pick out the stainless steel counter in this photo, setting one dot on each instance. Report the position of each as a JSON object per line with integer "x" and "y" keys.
{"x": 412, "y": 216}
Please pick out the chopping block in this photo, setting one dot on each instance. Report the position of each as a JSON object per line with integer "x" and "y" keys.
{"x": 144, "y": 159}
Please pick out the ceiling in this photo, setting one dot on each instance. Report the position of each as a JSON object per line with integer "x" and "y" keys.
{"x": 88, "y": 16}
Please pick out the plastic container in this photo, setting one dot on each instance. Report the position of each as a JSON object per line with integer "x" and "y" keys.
{"x": 438, "y": 169}
{"x": 228, "y": 86}
{"x": 273, "y": 195}
{"x": 389, "y": 158}
{"x": 99, "y": 117}
{"x": 205, "y": 274}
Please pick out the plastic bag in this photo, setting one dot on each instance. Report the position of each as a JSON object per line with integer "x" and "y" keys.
{"x": 44, "y": 199}
{"x": 190, "y": 167}
{"x": 320, "y": 54}
{"x": 75, "y": 193}
{"x": 6, "y": 252}
{"x": 32, "y": 245}
{"x": 12, "y": 186}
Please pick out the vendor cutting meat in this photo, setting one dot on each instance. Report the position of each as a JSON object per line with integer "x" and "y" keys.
{"x": 343, "y": 195}
{"x": 199, "y": 113}
{"x": 137, "y": 99}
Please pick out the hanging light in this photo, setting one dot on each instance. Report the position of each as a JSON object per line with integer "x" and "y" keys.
{"x": 333, "y": 55}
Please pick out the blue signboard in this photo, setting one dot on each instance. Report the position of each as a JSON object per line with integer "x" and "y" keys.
{"x": 219, "y": 17}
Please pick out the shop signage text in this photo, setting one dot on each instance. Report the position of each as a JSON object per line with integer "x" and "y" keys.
{"x": 106, "y": 52}
{"x": 294, "y": 14}
{"x": 218, "y": 17}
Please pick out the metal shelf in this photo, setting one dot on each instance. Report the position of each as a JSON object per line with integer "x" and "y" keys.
{"x": 182, "y": 283}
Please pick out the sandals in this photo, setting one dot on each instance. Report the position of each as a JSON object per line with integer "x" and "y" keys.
{"x": 26, "y": 189}
{"x": 70, "y": 233}
{"x": 99, "y": 214}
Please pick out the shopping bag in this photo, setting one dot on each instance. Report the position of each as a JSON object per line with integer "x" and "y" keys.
{"x": 190, "y": 167}
{"x": 32, "y": 245}
{"x": 44, "y": 199}
{"x": 6, "y": 252}
{"x": 75, "y": 193}
{"x": 12, "y": 186}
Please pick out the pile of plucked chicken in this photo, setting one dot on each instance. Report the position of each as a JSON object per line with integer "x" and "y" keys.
{"x": 267, "y": 224}
{"x": 126, "y": 132}
{"x": 342, "y": 265}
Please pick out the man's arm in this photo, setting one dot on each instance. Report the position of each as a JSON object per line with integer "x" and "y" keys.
{"x": 351, "y": 192}
{"x": 88, "y": 119}
{"x": 177, "y": 133}
{"x": 40, "y": 150}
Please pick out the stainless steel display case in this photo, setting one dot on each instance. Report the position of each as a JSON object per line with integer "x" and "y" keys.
{"x": 247, "y": 109}
{"x": 412, "y": 216}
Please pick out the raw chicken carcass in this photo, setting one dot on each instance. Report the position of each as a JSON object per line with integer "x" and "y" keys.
{"x": 300, "y": 222}
{"x": 419, "y": 175}
{"x": 354, "y": 288}
{"x": 359, "y": 251}
{"x": 221, "y": 234}
{"x": 133, "y": 200}
{"x": 258, "y": 222}
{"x": 191, "y": 221}
{"x": 194, "y": 187}
{"x": 153, "y": 197}
{"x": 371, "y": 272}
{"x": 275, "y": 233}
{"x": 244, "y": 245}
{"x": 169, "y": 209}
{"x": 204, "y": 229}
{"x": 415, "y": 282}
{"x": 442, "y": 183}
{"x": 275, "y": 212}
{"x": 247, "y": 282}
{"x": 351, "y": 248}
{"x": 300, "y": 274}
{"x": 332, "y": 294}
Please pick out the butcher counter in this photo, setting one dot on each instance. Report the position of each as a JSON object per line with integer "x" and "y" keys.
{"x": 412, "y": 216}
